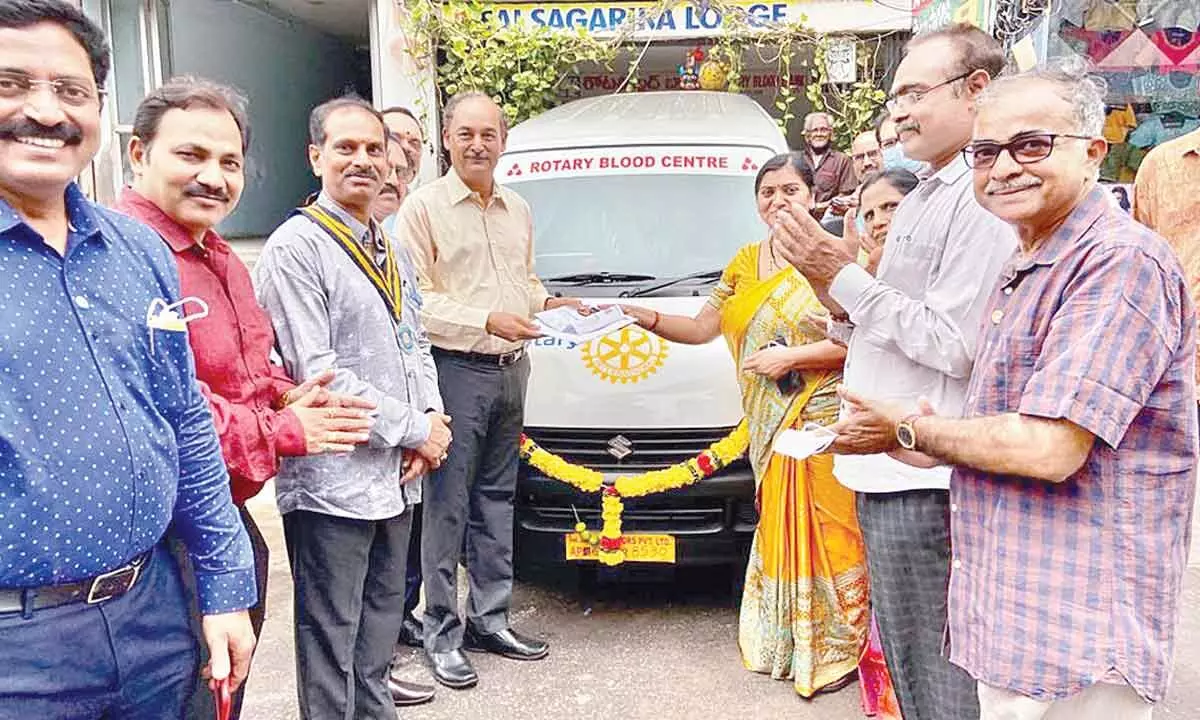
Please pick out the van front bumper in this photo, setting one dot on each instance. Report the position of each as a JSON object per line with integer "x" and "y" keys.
{"x": 712, "y": 521}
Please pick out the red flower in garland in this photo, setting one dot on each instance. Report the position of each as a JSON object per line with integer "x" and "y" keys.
{"x": 611, "y": 490}
{"x": 705, "y": 461}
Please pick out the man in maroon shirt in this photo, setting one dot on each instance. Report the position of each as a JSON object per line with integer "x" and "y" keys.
{"x": 833, "y": 172}
{"x": 188, "y": 154}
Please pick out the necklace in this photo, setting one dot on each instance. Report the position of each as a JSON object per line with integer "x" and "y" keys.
{"x": 775, "y": 264}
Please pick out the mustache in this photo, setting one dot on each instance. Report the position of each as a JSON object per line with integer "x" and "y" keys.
{"x": 908, "y": 125}
{"x": 200, "y": 190}
{"x": 22, "y": 127}
{"x": 390, "y": 188}
{"x": 997, "y": 186}
{"x": 365, "y": 172}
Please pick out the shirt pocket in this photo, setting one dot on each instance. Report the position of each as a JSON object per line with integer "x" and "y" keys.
{"x": 1011, "y": 364}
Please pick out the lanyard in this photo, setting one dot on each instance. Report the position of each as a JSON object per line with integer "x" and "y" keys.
{"x": 386, "y": 280}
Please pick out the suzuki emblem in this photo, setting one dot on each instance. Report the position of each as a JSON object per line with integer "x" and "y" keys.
{"x": 620, "y": 447}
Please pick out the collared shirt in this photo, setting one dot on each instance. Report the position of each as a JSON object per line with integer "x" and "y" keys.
{"x": 328, "y": 315}
{"x": 833, "y": 175}
{"x": 1165, "y": 199}
{"x": 916, "y": 323}
{"x": 1055, "y": 587}
{"x": 471, "y": 260}
{"x": 104, "y": 435}
{"x": 232, "y": 347}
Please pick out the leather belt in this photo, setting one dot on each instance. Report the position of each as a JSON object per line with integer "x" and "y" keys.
{"x": 502, "y": 360}
{"x": 105, "y": 586}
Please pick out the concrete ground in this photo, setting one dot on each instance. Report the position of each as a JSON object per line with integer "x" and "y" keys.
{"x": 661, "y": 649}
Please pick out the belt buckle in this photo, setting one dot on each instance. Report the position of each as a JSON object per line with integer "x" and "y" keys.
{"x": 510, "y": 357}
{"x": 102, "y": 590}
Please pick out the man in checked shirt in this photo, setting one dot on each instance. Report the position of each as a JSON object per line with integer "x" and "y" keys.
{"x": 1076, "y": 456}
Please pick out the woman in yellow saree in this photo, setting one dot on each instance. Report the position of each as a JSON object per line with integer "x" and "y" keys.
{"x": 805, "y": 613}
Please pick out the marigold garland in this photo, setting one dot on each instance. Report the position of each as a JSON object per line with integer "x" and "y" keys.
{"x": 610, "y": 541}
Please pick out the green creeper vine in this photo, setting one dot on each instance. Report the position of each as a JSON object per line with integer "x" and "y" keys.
{"x": 527, "y": 69}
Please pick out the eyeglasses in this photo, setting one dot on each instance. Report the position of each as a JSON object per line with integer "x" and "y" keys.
{"x": 908, "y": 98}
{"x": 68, "y": 91}
{"x": 877, "y": 155}
{"x": 1026, "y": 149}
{"x": 822, "y": 130}
{"x": 405, "y": 174}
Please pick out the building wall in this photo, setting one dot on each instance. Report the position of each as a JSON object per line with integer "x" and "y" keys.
{"x": 285, "y": 68}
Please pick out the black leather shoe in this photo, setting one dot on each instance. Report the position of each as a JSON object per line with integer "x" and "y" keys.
{"x": 405, "y": 693}
{"x": 507, "y": 643}
{"x": 411, "y": 632}
{"x": 453, "y": 669}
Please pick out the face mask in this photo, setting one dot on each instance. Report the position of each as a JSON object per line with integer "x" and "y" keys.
{"x": 894, "y": 157}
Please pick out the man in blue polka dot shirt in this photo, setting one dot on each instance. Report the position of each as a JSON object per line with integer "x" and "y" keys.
{"x": 105, "y": 437}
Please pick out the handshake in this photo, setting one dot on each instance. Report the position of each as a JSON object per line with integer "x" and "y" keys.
{"x": 433, "y": 452}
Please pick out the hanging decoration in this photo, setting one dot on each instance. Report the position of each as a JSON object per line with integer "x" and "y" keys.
{"x": 610, "y": 540}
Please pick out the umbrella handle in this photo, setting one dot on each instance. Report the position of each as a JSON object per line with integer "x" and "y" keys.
{"x": 224, "y": 699}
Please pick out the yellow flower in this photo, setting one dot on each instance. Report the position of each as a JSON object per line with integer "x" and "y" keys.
{"x": 688, "y": 472}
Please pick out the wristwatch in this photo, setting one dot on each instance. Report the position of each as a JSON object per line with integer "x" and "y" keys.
{"x": 906, "y": 432}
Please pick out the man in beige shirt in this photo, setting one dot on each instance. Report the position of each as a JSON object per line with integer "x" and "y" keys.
{"x": 1165, "y": 200}
{"x": 471, "y": 243}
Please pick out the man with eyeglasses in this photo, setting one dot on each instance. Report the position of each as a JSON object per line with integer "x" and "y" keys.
{"x": 914, "y": 337}
{"x": 833, "y": 173}
{"x": 395, "y": 185}
{"x": 105, "y": 437}
{"x": 841, "y": 218}
{"x": 403, "y": 124}
{"x": 395, "y": 189}
{"x": 1075, "y": 460}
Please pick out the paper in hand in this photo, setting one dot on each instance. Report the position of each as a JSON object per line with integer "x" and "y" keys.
{"x": 812, "y": 439}
{"x": 565, "y": 323}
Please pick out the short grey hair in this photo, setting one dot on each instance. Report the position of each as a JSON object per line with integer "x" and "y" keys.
{"x": 453, "y": 103}
{"x": 1073, "y": 82}
{"x": 819, "y": 114}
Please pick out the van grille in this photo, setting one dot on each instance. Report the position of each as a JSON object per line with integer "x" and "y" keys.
{"x": 647, "y": 448}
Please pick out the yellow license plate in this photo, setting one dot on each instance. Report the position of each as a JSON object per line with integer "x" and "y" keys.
{"x": 637, "y": 548}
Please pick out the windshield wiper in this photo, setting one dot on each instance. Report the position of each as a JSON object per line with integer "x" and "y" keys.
{"x": 702, "y": 275}
{"x": 600, "y": 278}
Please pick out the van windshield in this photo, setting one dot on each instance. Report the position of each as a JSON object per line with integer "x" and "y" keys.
{"x": 662, "y": 225}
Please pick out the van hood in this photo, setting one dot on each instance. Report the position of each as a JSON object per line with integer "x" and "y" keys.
{"x": 633, "y": 379}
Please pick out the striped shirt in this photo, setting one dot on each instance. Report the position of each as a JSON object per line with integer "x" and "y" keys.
{"x": 1055, "y": 587}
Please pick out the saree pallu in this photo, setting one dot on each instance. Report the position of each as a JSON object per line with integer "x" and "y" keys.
{"x": 805, "y": 613}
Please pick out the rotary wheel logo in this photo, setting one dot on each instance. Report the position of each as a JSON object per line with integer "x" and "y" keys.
{"x": 625, "y": 356}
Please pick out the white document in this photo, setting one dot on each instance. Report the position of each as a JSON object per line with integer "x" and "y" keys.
{"x": 565, "y": 323}
{"x": 812, "y": 439}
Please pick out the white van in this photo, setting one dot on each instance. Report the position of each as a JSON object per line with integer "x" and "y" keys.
{"x": 641, "y": 198}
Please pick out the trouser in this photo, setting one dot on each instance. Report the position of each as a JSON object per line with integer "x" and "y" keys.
{"x": 1102, "y": 701}
{"x": 412, "y": 580}
{"x": 348, "y": 579}
{"x": 471, "y": 495}
{"x": 129, "y": 658}
{"x": 202, "y": 705}
{"x": 908, "y": 558}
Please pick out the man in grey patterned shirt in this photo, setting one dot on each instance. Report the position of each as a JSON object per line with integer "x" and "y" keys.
{"x": 340, "y": 298}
